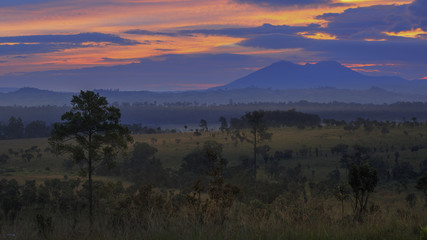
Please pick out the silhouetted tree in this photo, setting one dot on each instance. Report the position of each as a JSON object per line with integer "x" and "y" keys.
{"x": 36, "y": 129}
{"x": 2, "y": 131}
{"x": 91, "y": 132}
{"x": 402, "y": 172}
{"x": 143, "y": 167}
{"x": 422, "y": 184}
{"x": 342, "y": 193}
{"x": 15, "y": 128}
{"x": 10, "y": 198}
{"x": 363, "y": 179}
{"x": 204, "y": 125}
{"x": 258, "y": 133}
{"x": 224, "y": 124}
{"x": 199, "y": 161}
{"x": 4, "y": 158}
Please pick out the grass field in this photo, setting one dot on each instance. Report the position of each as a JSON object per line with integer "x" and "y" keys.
{"x": 394, "y": 219}
{"x": 172, "y": 147}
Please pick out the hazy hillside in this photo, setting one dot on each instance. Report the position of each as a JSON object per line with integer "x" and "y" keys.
{"x": 287, "y": 75}
{"x": 36, "y": 97}
{"x": 280, "y": 82}
{"x": 176, "y": 115}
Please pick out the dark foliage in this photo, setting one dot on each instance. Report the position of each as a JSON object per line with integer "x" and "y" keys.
{"x": 97, "y": 133}
{"x": 277, "y": 118}
{"x": 143, "y": 167}
{"x": 363, "y": 179}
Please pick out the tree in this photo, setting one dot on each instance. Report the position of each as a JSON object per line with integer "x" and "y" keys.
{"x": 199, "y": 161}
{"x": 143, "y": 167}
{"x": 91, "y": 132}
{"x": 10, "y": 200}
{"x": 4, "y": 158}
{"x": 15, "y": 128}
{"x": 204, "y": 125}
{"x": 258, "y": 132}
{"x": 221, "y": 195}
{"x": 341, "y": 194}
{"x": 403, "y": 172}
{"x": 224, "y": 124}
{"x": 422, "y": 184}
{"x": 36, "y": 129}
{"x": 363, "y": 179}
{"x": 2, "y": 131}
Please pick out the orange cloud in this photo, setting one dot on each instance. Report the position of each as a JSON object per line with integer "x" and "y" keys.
{"x": 94, "y": 53}
{"x": 319, "y": 36}
{"x": 365, "y": 70}
{"x": 360, "y": 65}
{"x": 262, "y": 52}
{"x": 115, "y": 17}
{"x": 375, "y": 2}
{"x": 375, "y": 40}
{"x": 413, "y": 33}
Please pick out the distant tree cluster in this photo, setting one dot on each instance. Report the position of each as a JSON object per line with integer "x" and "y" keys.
{"x": 15, "y": 128}
{"x": 137, "y": 128}
{"x": 277, "y": 118}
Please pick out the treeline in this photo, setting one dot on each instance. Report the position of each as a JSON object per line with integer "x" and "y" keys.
{"x": 181, "y": 113}
{"x": 290, "y": 118}
{"x": 15, "y": 128}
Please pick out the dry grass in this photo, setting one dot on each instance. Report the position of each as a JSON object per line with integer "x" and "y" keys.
{"x": 297, "y": 220}
{"x": 314, "y": 219}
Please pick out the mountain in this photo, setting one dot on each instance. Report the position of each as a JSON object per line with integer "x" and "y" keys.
{"x": 287, "y": 75}
{"x": 165, "y": 73}
{"x": 280, "y": 82}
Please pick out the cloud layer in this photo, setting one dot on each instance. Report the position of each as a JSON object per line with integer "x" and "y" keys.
{"x": 8, "y": 3}
{"x": 162, "y": 73}
{"x": 381, "y": 39}
{"x": 274, "y": 3}
{"x": 50, "y": 43}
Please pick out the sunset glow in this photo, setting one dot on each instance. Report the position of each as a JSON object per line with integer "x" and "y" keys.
{"x": 319, "y": 36}
{"x": 414, "y": 33}
{"x": 375, "y": 40}
{"x": 65, "y": 34}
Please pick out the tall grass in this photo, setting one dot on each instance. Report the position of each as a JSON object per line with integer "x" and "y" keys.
{"x": 283, "y": 219}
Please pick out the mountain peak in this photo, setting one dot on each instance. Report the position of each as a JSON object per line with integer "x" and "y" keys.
{"x": 282, "y": 63}
{"x": 287, "y": 75}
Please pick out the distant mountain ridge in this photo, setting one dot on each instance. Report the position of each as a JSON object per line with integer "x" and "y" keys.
{"x": 287, "y": 75}
{"x": 282, "y": 81}
{"x": 36, "y": 97}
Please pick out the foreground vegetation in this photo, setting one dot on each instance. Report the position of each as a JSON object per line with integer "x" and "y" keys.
{"x": 268, "y": 175}
{"x": 302, "y": 207}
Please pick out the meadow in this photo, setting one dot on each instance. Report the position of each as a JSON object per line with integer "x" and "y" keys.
{"x": 309, "y": 212}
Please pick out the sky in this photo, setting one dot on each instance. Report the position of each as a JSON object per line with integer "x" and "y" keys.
{"x": 165, "y": 45}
